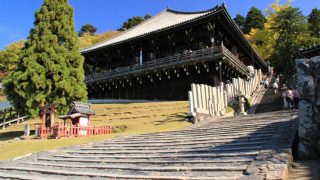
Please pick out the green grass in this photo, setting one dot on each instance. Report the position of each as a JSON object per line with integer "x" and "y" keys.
{"x": 127, "y": 119}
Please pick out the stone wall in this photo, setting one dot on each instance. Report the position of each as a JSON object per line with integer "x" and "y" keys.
{"x": 308, "y": 71}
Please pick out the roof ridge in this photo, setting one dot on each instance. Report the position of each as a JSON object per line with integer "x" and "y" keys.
{"x": 194, "y": 12}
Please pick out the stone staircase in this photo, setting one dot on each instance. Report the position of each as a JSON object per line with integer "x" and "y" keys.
{"x": 255, "y": 147}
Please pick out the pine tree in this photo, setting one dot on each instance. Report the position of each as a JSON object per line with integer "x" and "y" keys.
{"x": 239, "y": 20}
{"x": 254, "y": 19}
{"x": 87, "y": 29}
{"x": 51, "y": 66}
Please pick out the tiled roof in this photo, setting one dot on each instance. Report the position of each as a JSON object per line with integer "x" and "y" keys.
{"x": 84, "y": 108}
{"x": 5, "y": 105}
{"x": 161, "y": 21}
{"x": 311, "y": 48}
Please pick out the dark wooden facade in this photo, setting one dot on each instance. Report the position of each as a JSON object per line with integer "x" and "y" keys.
{"x": 162, "y": 64}
{"x": 311, "y": 51}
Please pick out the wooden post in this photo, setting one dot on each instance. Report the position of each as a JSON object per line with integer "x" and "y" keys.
{"x": 36, "y": 132}
{"x": 52, "y": 109}
{"x": 43, "y": 118}
{"x": 18, "y": 119}
{"x": 4, "y": 120}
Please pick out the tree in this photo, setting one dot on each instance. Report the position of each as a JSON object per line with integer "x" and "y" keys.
{"x": 87, "y": 29}
{"x": 314, "y": 22}
{"x": 50, "y": 68}
{"x": 131, "y": 22}
{"x": 254, "y": 19}
{"x": 284, "y": 33}
{"x": 239, "y": 20}
{"x": 9, "y": 58}
{"x": 291, "y": 26}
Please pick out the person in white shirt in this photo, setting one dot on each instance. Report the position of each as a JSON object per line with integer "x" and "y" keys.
{"x": 275, "y": 87}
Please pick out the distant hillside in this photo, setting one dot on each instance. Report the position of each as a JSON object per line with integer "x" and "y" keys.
{"x": 88, "y": 40}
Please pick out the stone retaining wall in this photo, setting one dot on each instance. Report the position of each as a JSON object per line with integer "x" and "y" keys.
{"x": 308, "y": 71}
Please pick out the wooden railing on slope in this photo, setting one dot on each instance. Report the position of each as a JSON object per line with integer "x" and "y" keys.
{"x": 16, "y": 120}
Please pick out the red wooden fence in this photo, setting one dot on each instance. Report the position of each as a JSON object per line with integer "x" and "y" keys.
{"x": 60, "y": 130}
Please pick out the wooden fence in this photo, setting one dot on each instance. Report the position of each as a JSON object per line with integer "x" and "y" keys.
{"x": 12, "y": 121}
{"x": 61, "y": 130}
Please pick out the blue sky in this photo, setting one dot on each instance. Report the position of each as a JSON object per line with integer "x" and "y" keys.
{"x": 17, "y": 16}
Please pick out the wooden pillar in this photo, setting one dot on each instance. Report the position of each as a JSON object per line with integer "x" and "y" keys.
{"x": 89, "y": 120}
{"x": 43, "y": 119}
{"x": 52, "y": 115}
{"x": 4, "y": 120}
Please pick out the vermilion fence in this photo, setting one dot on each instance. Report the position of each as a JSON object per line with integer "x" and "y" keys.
{"x": 60, "y": 130}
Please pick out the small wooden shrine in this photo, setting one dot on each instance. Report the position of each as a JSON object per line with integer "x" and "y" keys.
{"x": 77, "y": 122}
{"x": 79, "y": 114}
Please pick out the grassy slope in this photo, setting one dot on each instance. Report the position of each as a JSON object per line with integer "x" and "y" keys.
{"x": 88, "y": 40}
{"x": 128, "y": 119}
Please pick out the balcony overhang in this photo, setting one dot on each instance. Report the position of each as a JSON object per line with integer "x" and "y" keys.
{"x": 217, "y": 53}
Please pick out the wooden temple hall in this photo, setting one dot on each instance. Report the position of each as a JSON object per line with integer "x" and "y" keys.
{"x": 160, "y": 58}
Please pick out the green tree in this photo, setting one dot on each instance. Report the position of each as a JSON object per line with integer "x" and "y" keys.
{"x": 284, "y": 33}
{"x": 314, "y": 22}
{"x": 87, "y": 29}
{"x": 50, "y": 68}
{"x": 9, "y": 58}
{"x": 131, "y": 22}
{"x": 293, "y": 34}
{"x": 254, "y": 19}
{"x": 240, "y": 20}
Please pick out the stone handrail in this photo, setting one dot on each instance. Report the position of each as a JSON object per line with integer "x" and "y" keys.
{"x": 212, "y": 101}
{"x": 308, "y": 82}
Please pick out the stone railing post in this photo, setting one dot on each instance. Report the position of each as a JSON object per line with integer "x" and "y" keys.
{"x": 191, "y": 104}
{"x": 309, "y": 107}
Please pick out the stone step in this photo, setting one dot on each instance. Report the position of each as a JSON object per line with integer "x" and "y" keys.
{"x": 210, "y": 129}
{"x": 193, "y": 135}
{"x": 154, "y": 161}
{"x": 180, "y": 146}
{"x": 24, "y": 177}
{"x": 212, "y": 167}
{"x": 148, "y": 156}
{"x": 193, "y": 150}
{"x": 177, "y": 141}
{"x": 87, "y": 175}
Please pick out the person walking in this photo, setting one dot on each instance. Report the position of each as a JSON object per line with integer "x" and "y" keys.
{"x": 266, "y": 83}
{"x": 289, "y": 98}
{"x": 275, "y": 87}
{"x": 284, "y": 96}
